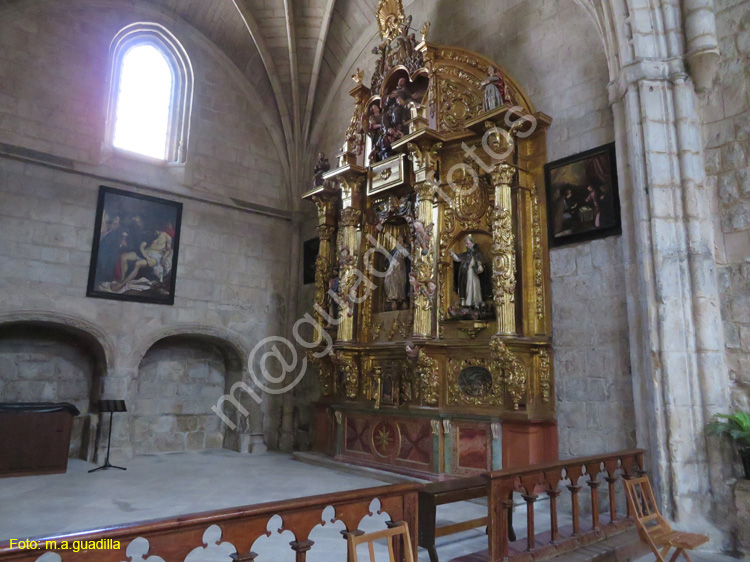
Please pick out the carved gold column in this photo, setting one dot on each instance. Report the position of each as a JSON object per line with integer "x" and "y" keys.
{"x": 326, "y": 204}
{"x": 504, "y": 250}
{"x": 348, "y": 253}
{"x": 425, "y": 159}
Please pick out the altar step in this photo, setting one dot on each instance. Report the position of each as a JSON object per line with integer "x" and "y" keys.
{"x": 622, "y": 547}
{"x": 325, "y": 461}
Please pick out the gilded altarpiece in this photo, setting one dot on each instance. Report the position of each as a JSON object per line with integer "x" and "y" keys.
{"x": 433, "y": 272}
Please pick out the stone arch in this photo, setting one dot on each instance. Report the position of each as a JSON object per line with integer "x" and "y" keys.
{"x": 58, "y": 357}
{"x": 75, "y": 325}
{"x": 181, "y": 374}
{"x": 225, "y": 337}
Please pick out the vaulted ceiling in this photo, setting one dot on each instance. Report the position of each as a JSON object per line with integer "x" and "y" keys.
{"x": 292, "y": 51}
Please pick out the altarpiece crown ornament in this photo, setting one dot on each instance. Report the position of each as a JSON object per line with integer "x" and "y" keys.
{"x": 433, "y": 270}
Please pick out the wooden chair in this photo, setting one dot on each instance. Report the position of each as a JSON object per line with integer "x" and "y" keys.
{"x": 400, "y": 529}
{"x": 653, "y": 528}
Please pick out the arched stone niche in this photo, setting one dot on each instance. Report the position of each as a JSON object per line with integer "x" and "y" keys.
{"x": 180, "y": 379}
{"x": 46, "y": 360}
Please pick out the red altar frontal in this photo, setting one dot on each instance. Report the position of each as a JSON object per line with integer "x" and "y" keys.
{"x": 432, "y": 279}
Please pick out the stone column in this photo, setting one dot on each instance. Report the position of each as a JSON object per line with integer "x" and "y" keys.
{"x": 676, "y": 336}
{"x": 504, "y": 250}
{"x": 348, "y": 255}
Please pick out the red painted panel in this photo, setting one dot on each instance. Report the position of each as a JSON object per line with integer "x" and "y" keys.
{"x": 472, "y": 448}
{"x": 526, "y": 443}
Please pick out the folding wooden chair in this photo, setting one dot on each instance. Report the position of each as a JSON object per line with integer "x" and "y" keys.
{"x": 400, "y": 529}
{"x": 653, "y": 529}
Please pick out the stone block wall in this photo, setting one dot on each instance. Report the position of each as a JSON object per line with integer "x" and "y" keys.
{"x": 726, "y": 119}
{"x": 231, "y": 271}
{"x": 554, "y": 52}
{"x": 590, "y": 325}
{"x": 179, "y": 380}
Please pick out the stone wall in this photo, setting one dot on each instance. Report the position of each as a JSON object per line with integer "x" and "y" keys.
{"x": 726, "y": 118}
{"x": 179, "y": 380}
{"x": 231, "y": 272}
{"x": 592, "y": 354}
{"x": 565, "y": 76}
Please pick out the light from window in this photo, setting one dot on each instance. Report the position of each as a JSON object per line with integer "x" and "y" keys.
{"x": 143, "y": 102}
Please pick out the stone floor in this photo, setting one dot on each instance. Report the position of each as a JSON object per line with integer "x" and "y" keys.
{"x": 156, "y": 486}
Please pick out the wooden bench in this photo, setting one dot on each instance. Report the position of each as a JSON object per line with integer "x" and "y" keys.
{"x": 450, "y": 491}
{"x": 653, "y": 529}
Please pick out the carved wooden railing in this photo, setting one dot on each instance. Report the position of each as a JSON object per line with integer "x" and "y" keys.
{"x": 545, "y": 479}
{"x": 174, "y": 539}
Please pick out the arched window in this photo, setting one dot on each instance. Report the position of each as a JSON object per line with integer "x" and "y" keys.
{"x": 151, "y": 91}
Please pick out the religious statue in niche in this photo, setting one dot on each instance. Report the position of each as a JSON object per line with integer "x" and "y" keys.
{"x": 375, "y": 123}
{"x": 321, "y": 168}
{"x": 392, "y": 125}
{"x": 396, "y": 280}
{"x": 495, "y": 93}
{"x": 472, "y": 280}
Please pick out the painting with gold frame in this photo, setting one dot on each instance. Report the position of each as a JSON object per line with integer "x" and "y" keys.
{"x": 583, "y": 201}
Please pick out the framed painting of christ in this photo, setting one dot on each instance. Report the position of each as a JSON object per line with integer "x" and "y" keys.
{"x": 583, "y": 201}
{"x": 135, "y": 247}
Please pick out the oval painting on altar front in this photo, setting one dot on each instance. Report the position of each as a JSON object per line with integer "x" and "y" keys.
{"x": 475, "y": 382}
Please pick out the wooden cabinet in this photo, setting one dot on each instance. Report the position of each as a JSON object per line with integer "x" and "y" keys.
{"x": 35, "y": 438}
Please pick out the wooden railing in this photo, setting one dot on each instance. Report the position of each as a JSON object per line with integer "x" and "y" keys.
{"x": 174, "y": 539}
{"x": 533, "y": 481}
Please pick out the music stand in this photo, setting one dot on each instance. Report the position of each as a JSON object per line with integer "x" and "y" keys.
{"x": 110, "y": 406}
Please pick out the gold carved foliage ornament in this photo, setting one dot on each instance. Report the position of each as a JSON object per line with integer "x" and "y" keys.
{"x": 349, "y": 374}
{"x": 391, "y": 16}
{"x": 325, "y": 371}
{"x": 489, "y": 392}
{"x": 513, "y": 372}
{"x": 504, "y": 257}
{"x": 470, "y": 199}
{"x": 428, "y": 377}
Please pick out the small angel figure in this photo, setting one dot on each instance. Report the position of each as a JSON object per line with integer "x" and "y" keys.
{"x": 346, "y": 258}
{"x": 423, "y": 235}
{"x": 494, "y": 90}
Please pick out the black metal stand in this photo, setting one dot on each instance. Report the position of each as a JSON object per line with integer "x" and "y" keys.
{"x": 107, "y": 464}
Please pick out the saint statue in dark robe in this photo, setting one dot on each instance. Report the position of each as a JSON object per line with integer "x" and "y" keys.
{"x": 473, "y": 276}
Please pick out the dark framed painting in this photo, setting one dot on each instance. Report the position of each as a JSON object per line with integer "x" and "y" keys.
{"x": 583, "y": 200}
{"x": 310, "y": 251}
{"x": 135, "y": 248}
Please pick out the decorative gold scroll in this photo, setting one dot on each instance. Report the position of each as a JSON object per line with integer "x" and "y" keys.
{"x": 504, "y": 362}
{"x": 429, "y": 378}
